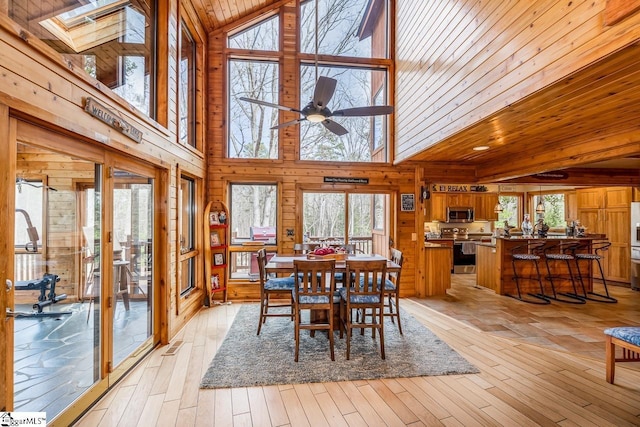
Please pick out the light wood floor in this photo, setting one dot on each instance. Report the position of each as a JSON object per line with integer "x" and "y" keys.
{"x": 539, "y": 366}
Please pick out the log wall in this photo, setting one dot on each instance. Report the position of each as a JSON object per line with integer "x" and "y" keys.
{"x": 38, "y": 86}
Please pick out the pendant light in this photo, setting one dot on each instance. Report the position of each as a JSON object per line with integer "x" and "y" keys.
{"x": 498, "y": 207}
{"x": 540, "y": 205}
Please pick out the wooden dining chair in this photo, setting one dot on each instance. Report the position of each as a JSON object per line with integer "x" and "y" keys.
{"x": 272, "y": 286}
{"x": 392, "y": 289}
{"x": 363, "y": 293}
{"x": 314, "y": 290}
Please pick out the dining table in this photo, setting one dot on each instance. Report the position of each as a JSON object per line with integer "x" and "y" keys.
{"x": 281, "y": 264}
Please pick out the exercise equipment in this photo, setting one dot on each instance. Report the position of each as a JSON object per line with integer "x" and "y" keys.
{"x": 47, "y": 287}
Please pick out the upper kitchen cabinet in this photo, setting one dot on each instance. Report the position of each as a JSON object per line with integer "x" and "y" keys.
{"x": 484, "y": 205}
{"x": 438, "y": 207}
{"x": 603, "y": 197}
{"x": 460, "y": 200}
{"x": 570, "y": 206}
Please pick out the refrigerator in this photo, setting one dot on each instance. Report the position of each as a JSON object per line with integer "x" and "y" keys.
{"x": 635, "y": 246}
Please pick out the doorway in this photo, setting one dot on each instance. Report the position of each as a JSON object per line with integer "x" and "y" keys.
{"x": 354, "y": 218}
{"x": 83, "y": 302}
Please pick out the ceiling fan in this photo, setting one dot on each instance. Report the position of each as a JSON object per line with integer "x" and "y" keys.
{"x": 316, "y": 110}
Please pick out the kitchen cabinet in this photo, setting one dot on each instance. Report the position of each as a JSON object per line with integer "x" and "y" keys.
{"x": 570, "y": 206}
{"x": 438, "y": 207}
{"x": 464, "y": 200}
{"x": 484, "y": 205}
{"x": 606, "y": 210}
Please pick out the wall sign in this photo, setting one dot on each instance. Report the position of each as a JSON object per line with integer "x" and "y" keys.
{"x": 345, "y": 180}
{"x": 458, "y": 188}
{"x": 105, "y": 115}
{"x": 407, "y": 202}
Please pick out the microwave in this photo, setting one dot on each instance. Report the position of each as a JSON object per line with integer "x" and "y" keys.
{"x": 455, "y": 214}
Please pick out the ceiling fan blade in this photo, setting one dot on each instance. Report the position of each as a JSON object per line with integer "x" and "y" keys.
{"x": 335, "y": 127}
{"x": 374, "y": 110}
{"x": 291, "y": 123}
{"x": 269, "y": 104}
{"x": 325, "y": 86}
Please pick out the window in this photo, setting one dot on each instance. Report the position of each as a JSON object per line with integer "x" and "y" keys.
{"x": 354, "y": 89}
{"x": 510, "y": 210}
{"x": 379, "y": 126}
{"x": 250, "y": 135}
{"x": 553, "y": 209}
{"x": 112, "y": 40}
{"x": 187, "y": 234}
{"x": 253, "y": 213}
{"x": 345, "y": 27}
{"x": 378, "y": 212}
{"x": 28, "y": 215}
{"x": 186, "y": 90}
{"x": 262, "y": 36}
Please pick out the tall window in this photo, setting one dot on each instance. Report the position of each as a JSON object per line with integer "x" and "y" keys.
{"x": 354, "y": 89}
{"x": 187, "y": 234}
{"x": 250, "y": 135}
{"x": 186, "y": 89}
{"x": 345, "y": 29}
{"x": 112, "y": 40}
{"x": 254, "y": 74}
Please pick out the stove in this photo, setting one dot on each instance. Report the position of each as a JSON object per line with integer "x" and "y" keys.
{"x": 457, "y": 233}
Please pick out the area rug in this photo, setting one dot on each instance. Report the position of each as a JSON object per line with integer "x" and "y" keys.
{"x": 245, "y": 359}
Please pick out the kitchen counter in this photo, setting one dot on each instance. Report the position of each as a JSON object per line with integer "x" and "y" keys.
{"x": 437, "y": 268}
{"x": 495, "y": 271}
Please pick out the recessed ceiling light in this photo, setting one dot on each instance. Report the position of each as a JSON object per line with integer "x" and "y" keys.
{"x": 481, "y": 148}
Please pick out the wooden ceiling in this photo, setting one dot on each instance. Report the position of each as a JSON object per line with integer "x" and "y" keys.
{"x": 215, "y": 14}
{"x": 591, "y": 116}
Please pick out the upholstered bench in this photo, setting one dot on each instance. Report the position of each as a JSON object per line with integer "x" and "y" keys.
{"x": 627, "y": 337}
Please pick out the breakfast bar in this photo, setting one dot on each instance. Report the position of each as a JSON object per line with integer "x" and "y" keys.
{"x": 495, "y": 269}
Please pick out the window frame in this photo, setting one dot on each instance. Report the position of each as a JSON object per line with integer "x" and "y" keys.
{"x": 188, "y": 256}
{"x": 190, "y": 85}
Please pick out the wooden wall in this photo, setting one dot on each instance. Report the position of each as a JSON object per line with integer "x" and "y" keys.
{"x": 462, "y": 61}
{"x": 39, "y": 86}
{"x": 291, "y": 174}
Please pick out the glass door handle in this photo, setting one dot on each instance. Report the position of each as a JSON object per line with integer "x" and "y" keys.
{"x": 9, "y": 285}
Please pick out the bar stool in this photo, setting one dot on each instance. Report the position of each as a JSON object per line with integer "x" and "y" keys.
{"x": 596, "y": 255}
{"x": 531, "y": 256}
{"x": 564, "y": 254}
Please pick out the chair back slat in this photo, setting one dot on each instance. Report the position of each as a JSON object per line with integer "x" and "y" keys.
{"x": 366, "y": 277}
{"x": 314, "y": 277}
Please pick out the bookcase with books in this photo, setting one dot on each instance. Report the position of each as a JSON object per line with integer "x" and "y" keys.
{"x": 216, "y": 251}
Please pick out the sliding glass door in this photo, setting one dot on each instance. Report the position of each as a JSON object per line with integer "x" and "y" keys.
{"x": 338, "y": 218}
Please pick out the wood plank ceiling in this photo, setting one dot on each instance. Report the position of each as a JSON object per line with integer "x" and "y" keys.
{"x": 215, "y": 14}
{"x": 592, "y": 116}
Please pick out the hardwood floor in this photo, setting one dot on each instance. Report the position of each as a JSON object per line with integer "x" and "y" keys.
{"x": 540, "y": 365}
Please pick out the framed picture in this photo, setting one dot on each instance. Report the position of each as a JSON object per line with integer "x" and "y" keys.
{"x": 218, "y": 259}
{"x": 215, "y": 238}
{"x": 407, "y": 202}
{"x": 215, "y": 281}
{"x": 213, "y": 218}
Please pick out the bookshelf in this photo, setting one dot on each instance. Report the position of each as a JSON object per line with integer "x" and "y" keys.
{"x": 216, "y": 227}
